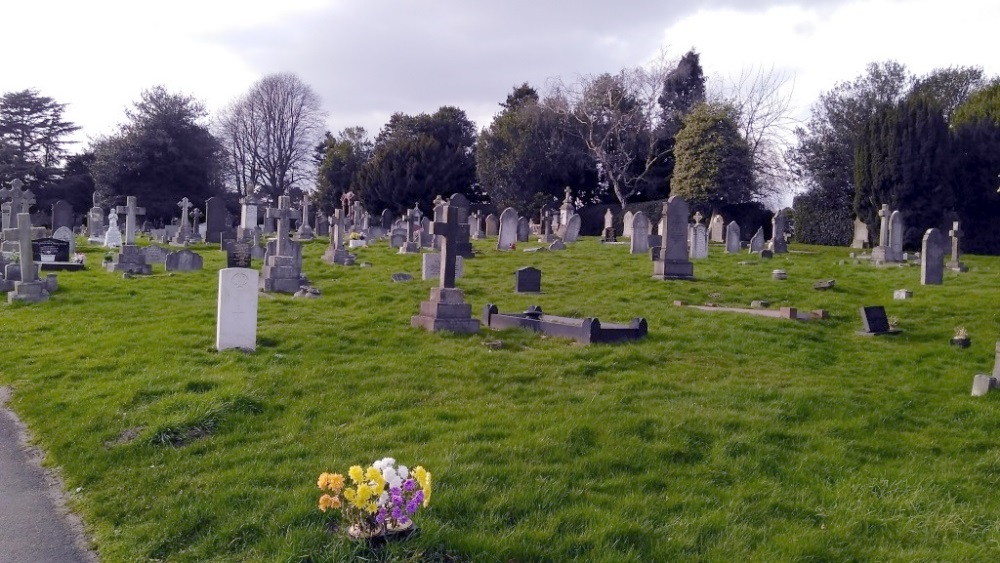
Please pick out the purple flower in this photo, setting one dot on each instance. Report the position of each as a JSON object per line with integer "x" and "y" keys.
{"x": 409, "y": 484}
{"x": 411, "y": 507}
{"x": 397, "y": 514}
{"x": 380, "y": 517}
{"x": 403, "y": 520}
{"x": 419, "y": 497}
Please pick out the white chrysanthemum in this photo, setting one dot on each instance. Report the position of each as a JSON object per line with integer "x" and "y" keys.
{"x": 383, "y": 499}
{"x": 403, "y": 472}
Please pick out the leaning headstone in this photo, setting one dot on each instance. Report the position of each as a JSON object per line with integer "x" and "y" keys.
{"x": 507, "y": 232}
{"x": 778, "y": 227}
{"x": 733, "y": 237}
{"x": 757, "y": 241}
{"x": 528, "y": 280}
{"x": 932, "y": 258}
{"x": 572, "y": 231}
{"x": 875, "y": 321}
{"x": 215, "y": 218}
{"x": 699, "y": 242}
{"x": 558, "y": 244}
{"x": 62, "y": 215}
{"x": 236, "y": 316}
{"x": 183, "y": 261}
{"x": 640, "y": 237}
{"x": 673, "y": 261}
{"x": 860, "y": 239}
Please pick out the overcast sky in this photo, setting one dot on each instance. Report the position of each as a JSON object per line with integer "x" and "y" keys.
{"x": 369, "y": 58}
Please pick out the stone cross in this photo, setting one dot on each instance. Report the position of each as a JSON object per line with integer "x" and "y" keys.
{"x": 337, "y": 229}
{"x": 569, "y": 195}
{"x": 413, "y": 217}
{"x": 24, "y": 238}
{"x": 196, "y": 216}
{"x": 448, "y": 231}
{"x": 283, "y": 214}
{"x": 185, "y": 205}
{"x": 698, "y": 217}
{"x": 955, "y": 233}
{"x": 883, "y": 229}
{"x": 20, "y": 200}
{"x": 130, "y": 210}
{"x": 305, "y": 212}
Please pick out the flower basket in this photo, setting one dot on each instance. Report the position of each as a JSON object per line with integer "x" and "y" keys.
{"x": 380, "y": 501}
{"x": 961, "y": 342}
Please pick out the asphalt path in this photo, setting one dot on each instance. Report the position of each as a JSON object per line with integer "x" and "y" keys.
{"x": 35, "y": 526}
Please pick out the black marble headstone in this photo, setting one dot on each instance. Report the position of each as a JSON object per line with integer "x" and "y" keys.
{"x": 528, "y": 280}
{"x": 50, "y": 250}
{"x": 875, "y": 320}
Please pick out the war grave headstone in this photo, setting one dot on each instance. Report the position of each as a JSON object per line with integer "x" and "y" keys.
{"x": 430, "y": 267}
{"x": 112, "y": 236}
{"x": 896, "y": 229}
{"x": 183, "y": 260}
{"x": 446, "y": 309}
{"x": 717, "y": 229}
{"x": 62, "y": 215}
{"x": 733, "y": 237}
{"x": 627, "y": 224}
{"x": 507, "y": 233}
{"x": 528, "y": 280}
{"x": 639, "y": 244}
{"x": 699, "y": 241}
{"x": 860, "y": 238}
{"x": 215, "y": 217}
{"x": 757, "y": 241}
{"x": 875, "y": 321}
{"x": 28, "y": 288}
{"x": 236, "y": 315}
{"x": 779, "y": 225}
{"x": 954, "y": 263}
{"x": 282, "y": 270}
{"x": 572, "y": 229}
{"x": 932, "y": 258}
{"x": 155, "y": 254}
{"x": 673, "y": 262}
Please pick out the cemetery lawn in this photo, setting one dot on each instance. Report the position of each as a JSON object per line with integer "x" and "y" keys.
{"x": 721, "y": 437}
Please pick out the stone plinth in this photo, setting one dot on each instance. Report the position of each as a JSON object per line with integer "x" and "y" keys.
{"x": 32, "y": 292}
{"x": 673, "y": 269}
{"x": 281, "y": 274}
{"x": 446, "y": 310}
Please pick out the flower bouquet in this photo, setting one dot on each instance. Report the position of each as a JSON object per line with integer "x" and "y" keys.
{"x": 381, "y": 499}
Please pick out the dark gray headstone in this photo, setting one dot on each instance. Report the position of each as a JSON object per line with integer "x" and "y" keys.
{"x": 874, "y": 320}
{"x": 155, "y": 254}
{"x": 528, "y": 280}
{"x": 62, "y": 215}
{"x": 49, "y": 250}
{"x": 238, "y": 255}
{"x": 215, "y": 219}
{"x": 401, "y": 277}
{"x": 183, "y": 261}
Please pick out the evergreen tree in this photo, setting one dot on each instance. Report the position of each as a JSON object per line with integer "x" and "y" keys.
{"x": 32, "y": 139}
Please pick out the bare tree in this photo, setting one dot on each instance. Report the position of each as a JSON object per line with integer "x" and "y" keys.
{"x": 762, "y": 100}
{"x": 270, "y": 134}
{"x": 618, "y": 118}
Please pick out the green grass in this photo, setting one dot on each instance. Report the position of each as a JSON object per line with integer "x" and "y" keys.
{"x": 720, "y": 437}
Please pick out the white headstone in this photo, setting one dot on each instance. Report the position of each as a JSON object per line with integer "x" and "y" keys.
{"x": 507, "y": 235}
{"x": 716, "y": 229}
{"x": 572, "y": 228}
{"x": 236, "y": 319}
{"x": 627, "y": 230}
{"x": 699, "y": 241}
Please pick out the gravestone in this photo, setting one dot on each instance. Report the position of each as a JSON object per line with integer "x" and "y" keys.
{"x": 881, "y": 253}
{"x": 197, "y": 233}
{"x": 248, "y": 217}
{"x": 49, "y": 250}
{"x": 238, "y": 255}
{"x": 673, "y": 261}
{"x": 757, "y": 242}
{"x": 183, "y": 261}
{"x": 322, "y": 224}
{"x": 130, "y": 259}
{"x": 558, "y": 244}
{"x": 112, "y": 237}
{"x": 463, "y": 247}
{"x": 215, "y": 217}
{"x": 412, "y": 243}
{"x": 572, "y": 231}
{"x": 184, "y": 230}
{"x": 609, "y": 221}
{"x": 131, "y": 211}
{"x": 386, "y": 221}
{"x": 62, "y": 215}
{"x": 66, "y": 234}
{"x": 860, "y": 239}
{"x": 779, "y": 225}
{"x": 492, "y": 225}
{"x": 547, "y": 235}
{"x": 430, "y": 267}
{"x": 335, "y": 252}
{"x": 446, "y": 309}
{"x": 282, "y": 269}
{"x": 28, "y": 288}
{"x": 95, "y": 224}
{"x": 699, "y": 242}
{"x": 155, "y": 254}
{"x": 639, "y": 244}
{"x": 875, "y": 321}
{"x": 528, "y": 280}
{"x": 896, "y": 228}
{"x": 523, "y": 229}
{"x": 236, "y": 316}
{"x": 717, "y": 229}
{"x": 733, "y": 238}
{"x": 507, "y": 233}
{"x": 954, "y": 263}
{"x": 932, "y": 258}
{"x": 305, "y": 231}
{"x": 627, "y": 224}
{"x": 567, "y": 209}
{"x": 20, "y": 202}
{"x": 401, "y": 277}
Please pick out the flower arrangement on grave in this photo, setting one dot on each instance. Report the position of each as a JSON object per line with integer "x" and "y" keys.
{"x": 961, "y": 338}
{"x": 357, "y": 236}
{"x": 379, "y": 500}
{"x": 893, "y": 322}
{"x": 109, "y": 256}
{"x": 79, "y": 258}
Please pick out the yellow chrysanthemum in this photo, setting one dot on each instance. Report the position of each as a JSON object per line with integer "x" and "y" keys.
{"x": 327, "y": 502}
{"x": 350, "y": 494}
{"x": 326, "y": 481}
{"x": 427, "y": 488}
{"x": 336, "y": 482}
{"x": 364, "y": 492}
{"x": 357, "y": 475}
{"x": 371, "y": 508}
